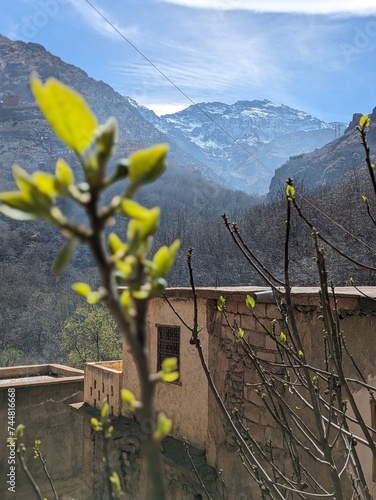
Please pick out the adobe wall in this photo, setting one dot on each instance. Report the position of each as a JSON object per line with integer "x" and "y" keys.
{"x": 103, "y": 380}
{"x": 186, "y": 401}
{"x": 43, "y": 407}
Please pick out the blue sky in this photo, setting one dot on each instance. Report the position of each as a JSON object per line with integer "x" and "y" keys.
{"x": 318, "y": 56}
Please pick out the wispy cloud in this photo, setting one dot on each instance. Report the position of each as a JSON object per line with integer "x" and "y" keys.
{"x": 97, "y": 21}
{"x": 210, "y": 61}
{"x": 350, "y": 7}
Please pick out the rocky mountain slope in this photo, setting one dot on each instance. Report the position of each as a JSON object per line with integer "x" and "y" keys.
{"x": 245, "y": 142}
{"x": 329, "y": 164}
{"x": 26, "y": 139}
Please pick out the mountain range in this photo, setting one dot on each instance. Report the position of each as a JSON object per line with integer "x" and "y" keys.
{"x": 26, "y": 139}
{"x": 246, "y": 146}
{"x": 242, "y": 144}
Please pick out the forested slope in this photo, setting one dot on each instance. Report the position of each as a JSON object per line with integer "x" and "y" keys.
{"x": 34, "y": 304}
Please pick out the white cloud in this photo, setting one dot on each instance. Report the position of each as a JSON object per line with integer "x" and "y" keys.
{"x": 359, "y": 7}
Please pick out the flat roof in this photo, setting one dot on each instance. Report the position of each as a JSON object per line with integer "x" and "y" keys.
{"x": 296, "y": 290}
{"x": 28, "y": 375}
{"x": 11, "y": 381}
{"x": 349, "y": 297}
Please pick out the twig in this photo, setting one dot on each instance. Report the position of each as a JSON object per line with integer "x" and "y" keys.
{"x": 196, "y": 471}
{"x": 29, "y": 476}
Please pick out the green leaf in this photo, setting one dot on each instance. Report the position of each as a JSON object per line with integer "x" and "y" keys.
{"x": 290, "y": 192}
{"x": 170, "y": 377}
{"x": 66, "y": 111}
{"x": 300, "y": 354}
{"x": 97, "y": 426}
{"x": 93, "y": 298}
{"x": 115, "y": 244}
{"x": 106, "y": 137}
{"x": 127, "y": 266}
{"x": 46, "y": 183}
{"x": 33, "y": 195}
{"x": 19, "y": 201}
{"x": 19, "y": 432}
{"x": 115, "y": 482}
{"x": 221, "y": 304}
{"x": 64, "y": 173}
{"x": 169, "y": 365}
{"x": 148, "y": 164}
{"x": 128, "y": 396}
{"x": 282, "y": 337}
{"x": 364, "y": 121}
{"x": 23, "y": 179}
{"x": 164, "y": 426}
{"x": 63, "y": 258}
{"x": 127, "y": 304}
{"x": 134, "y": 210}
{"x": 15, "y": 214}
{"x": 240, "y": 333}
{"x": 139, "y": 230}
{"x": 164, "y": 258}
{"x": 250, "y": 302}
{"x": 141, "y": 294}
{"x": 82, "y": 289}
{"x": 105, "y": 410}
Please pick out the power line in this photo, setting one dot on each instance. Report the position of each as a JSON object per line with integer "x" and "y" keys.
{"x": 236, "y": 141}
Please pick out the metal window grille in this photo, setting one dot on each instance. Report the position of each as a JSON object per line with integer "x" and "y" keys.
{"x": 168, "y": 344}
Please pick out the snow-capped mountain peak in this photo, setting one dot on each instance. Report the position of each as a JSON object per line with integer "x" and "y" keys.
{"x": 230, "y": 139}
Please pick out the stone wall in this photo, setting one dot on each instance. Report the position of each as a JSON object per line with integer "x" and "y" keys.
{"x": 235, "y": 376}
{"x": 125, "y": 456}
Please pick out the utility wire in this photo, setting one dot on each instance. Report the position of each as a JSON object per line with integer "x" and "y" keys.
{"x": 236, "y": 141}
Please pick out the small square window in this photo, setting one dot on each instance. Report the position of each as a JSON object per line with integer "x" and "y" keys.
{"x": 168, "y": 344}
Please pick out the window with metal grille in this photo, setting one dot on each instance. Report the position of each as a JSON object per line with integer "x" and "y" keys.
{"x": 168, "y": 344}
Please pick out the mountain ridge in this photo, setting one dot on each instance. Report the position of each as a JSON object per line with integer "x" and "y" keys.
{"x": 238, "y": 145}
{"x": 233, "y": 139}
{"x": 329, "y": 164}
